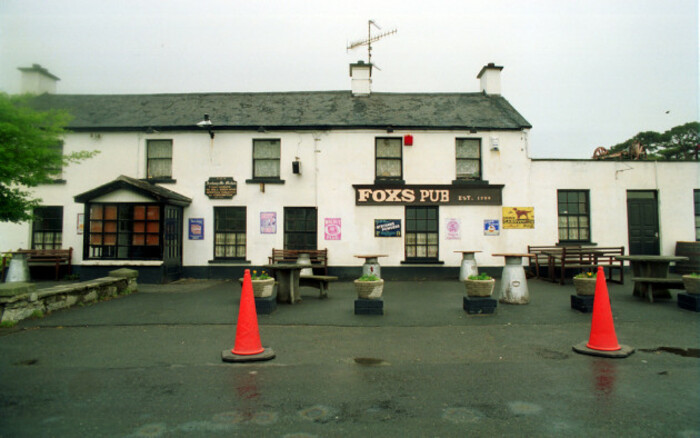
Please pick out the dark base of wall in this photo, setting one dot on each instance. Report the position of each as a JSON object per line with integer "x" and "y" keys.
{"x": 147, "y": 274}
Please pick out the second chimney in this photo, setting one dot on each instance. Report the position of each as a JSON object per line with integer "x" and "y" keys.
{"x": 490, "y": 76}
{"x": 361, "y": 77}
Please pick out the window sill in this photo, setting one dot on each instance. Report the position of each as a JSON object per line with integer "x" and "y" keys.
{"x": 422, "y": 262}
{"x": 469, "y": 182}
{"x": 264, "y": 181}
{"x": 389, "y": 182}
{"x": 160, "y": 180}
{"x": 229, "y": 262}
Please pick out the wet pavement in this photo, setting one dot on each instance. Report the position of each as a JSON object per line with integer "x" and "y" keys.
{"x": 149, "y": 365}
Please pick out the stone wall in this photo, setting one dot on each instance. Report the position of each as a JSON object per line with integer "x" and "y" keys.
{"x": 19, "y": 301}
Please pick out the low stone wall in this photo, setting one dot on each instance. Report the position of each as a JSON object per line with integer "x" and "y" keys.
{"x": 19, "y": 301}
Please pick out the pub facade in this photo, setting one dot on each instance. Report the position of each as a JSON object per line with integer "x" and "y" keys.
{"x": 206, "y": 185}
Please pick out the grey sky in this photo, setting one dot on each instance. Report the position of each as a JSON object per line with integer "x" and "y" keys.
{"x": 584, "y": 73}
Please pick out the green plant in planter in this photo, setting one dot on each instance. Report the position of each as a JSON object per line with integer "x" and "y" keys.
{"x": 370, "y": 277}
{"x": 262, "y": 276}
{"x": 482, "y": 276}
{"x": 694, "y": 275}
{"x": 588, "y": 274}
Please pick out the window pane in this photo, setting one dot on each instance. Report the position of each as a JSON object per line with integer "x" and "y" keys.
{"x": 160, "y": 148}
{"x": 266, "y": 149}
{"x": 467, "y": 169}
{"x": 388, "y": 147}
{"x": 267, "y": 168}
{"x": 468, "y": 148}
{"x": 388, "y": 168}
{"x": 110, "y": 212}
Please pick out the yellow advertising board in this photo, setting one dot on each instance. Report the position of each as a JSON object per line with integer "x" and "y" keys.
{"x": 519, "y": 217}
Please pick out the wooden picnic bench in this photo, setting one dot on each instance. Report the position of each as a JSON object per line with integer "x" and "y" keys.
{"x": 43, "y": 257}
{"x": 586, "y": 258}
{"x": 319, "y": 262}
{"x": 541, "y": 257}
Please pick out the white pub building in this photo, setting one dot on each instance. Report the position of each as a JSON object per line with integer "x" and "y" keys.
{"x": 205, "y": 185}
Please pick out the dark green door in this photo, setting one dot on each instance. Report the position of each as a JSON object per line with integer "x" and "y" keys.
{"x": 300, "y": 228}
{"x": 643, "y": 222}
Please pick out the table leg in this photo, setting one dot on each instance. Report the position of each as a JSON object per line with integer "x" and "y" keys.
{"x": 283, "y": 286}
{"x": 514, "y": 283}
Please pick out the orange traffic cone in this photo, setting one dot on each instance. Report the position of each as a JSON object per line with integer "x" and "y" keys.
{"x": 602, "y": 340}
{"x": 247, "y": 346}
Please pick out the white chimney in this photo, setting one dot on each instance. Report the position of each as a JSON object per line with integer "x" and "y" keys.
{"x": 361, "y": 75}
{"x": 490, "y": 76}
{"x": 37, "y": 80}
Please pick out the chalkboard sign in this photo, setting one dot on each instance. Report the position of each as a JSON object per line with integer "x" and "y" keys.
{"x": 220, "y": 187}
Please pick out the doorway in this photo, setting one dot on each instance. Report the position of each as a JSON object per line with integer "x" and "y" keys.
{"x": 643, "y": 222}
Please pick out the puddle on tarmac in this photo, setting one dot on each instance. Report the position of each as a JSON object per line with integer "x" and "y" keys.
{"x": 27, "y": 362}
{"x": 369, "y": 361}
{"x": 685, "y": 352}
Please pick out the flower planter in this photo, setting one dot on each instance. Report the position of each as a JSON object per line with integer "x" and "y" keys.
{"x": 479, "y": 288}
{"x": 692, "y": 284}
{"x": 585, "y": 286}
{"x": 263, "y": 288}
{"x": 369, "y": 290}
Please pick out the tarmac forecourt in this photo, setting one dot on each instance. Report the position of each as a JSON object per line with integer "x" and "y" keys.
{"x": 149, "y": 364}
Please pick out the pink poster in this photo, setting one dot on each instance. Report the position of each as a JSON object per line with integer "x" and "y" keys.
{"x": 332, "y": 228}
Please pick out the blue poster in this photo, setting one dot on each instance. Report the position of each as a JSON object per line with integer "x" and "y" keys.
{"x": 491, "y": 227}
{"x": 196, "y": 228}
{"x": 387, "y": 228}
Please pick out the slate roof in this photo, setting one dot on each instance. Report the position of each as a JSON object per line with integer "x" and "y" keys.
{"x": 287, "y": 110}
{"x": 145, "y": 188}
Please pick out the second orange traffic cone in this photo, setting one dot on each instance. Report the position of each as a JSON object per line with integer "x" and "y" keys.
{"x": 247, "y": 346}
{"x": 602, "y": 340}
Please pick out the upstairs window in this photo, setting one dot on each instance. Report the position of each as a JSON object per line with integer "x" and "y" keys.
{"x": 266, "y": 159}
{"x": 388, "y": 156}
{"x": 159, "y": 157}
{"x": 47, "y": 228}
{"x": 574, "y": 216}
{"x": 468, "y": 153}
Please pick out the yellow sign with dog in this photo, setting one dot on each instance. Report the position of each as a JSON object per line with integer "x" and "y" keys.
{"x": 519, "y": 217}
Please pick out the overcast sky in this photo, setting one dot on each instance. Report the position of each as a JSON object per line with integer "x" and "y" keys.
{"x": 584, "y": 73}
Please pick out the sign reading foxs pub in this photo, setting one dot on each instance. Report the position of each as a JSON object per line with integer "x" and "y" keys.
{"x": 428, "y": 195}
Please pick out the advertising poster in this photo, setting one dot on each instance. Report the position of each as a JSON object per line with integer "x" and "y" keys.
{"x": 453, "y": 227}
{"x": 332, "y": 228}
{"x": 492, "y": 227}
{"x": 387, "y": 228}
{"x": 268, "y": 222}
{"x": 519, "y": 217}
{"x": 196, "y": 228}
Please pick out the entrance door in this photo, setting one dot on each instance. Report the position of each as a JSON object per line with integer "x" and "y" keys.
{"x": 643, "y": 222}
{"x": 172, "y": 239}
{"x": 300, "y": 228}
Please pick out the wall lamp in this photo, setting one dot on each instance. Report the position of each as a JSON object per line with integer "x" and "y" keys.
{"x": 206, "y": 124}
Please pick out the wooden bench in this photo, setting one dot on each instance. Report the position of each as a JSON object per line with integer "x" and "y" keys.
{"x": 42, "y": 257}
{"x": 588, "y": 258}
{"x": 319, "y": 262}
{"x": 541, "y": 257}
{"x": 650, "y": 287}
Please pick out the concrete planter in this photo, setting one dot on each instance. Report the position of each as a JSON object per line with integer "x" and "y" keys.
{"x": 585, "y": 286}
{"x": 479, "y": 288}
{"x": 692, "y": 284}
{"x": 263, "y": 288}
{"x": 369, "y": 290}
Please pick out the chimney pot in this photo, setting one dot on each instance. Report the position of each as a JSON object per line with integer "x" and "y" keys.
{"x": 490, "y": 76}
{"x": 38, "y": 80}
{"x": 361, "y": 78}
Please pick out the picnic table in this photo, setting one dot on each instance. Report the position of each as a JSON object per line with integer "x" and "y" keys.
{"x": 650, "y": 275}
{"x": 287, "y": 275}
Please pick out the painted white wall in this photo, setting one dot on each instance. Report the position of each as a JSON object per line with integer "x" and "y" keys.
{"x": 331, "y": 162}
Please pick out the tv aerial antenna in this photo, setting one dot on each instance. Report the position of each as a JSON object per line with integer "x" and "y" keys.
{"x": 370, "y": 39}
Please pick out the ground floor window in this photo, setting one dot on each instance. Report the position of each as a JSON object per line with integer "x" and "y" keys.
{"x": 574, "y": 216}
{"x": 124, "y": 231}
{"x": 47, "y": 228}
{"x": 229, "y": 232}
{"x": 300, "y": 228}
{"x": 421, "y": 239}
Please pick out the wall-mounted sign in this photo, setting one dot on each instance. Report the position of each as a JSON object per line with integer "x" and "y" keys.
{"x": 196, "y": 228}
{"x": 220, "y": 187}
{"x": 268, "y": 222}
{"x": 428, "y": 195}
{"x": 81, "y": 223}
{"x": 518, "y": 217}
{"x": 332, "y": 228}
{"x": 453, "y": 229}
{"x": 492, "y": 227}
{"x": 387, "y": 228}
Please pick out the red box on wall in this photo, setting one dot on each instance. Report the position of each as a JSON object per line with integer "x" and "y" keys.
{"x": 408, "y": 140}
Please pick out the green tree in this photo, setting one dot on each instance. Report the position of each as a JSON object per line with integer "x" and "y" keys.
{"x": 30, "y": 154}
{"x": 678, "y": 143}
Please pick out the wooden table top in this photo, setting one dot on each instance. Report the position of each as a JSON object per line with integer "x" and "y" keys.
{"x": 512, "y": 255}
{"x": 467, "y": 251}
{"x": 652, "y": 258}
{"x": 371, "y": 256}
